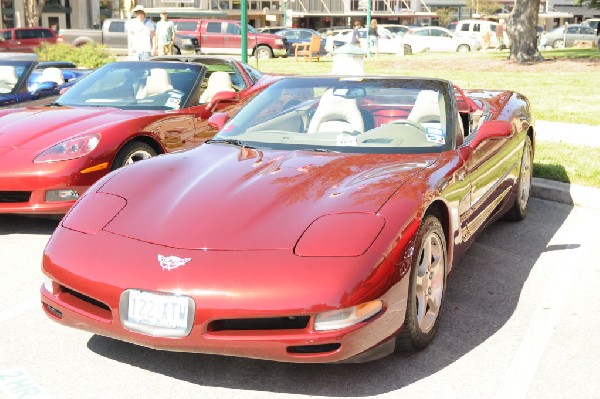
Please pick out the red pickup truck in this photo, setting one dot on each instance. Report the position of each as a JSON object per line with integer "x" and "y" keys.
{"x": 25, "y": 40}
{"x": 217, "y": 36}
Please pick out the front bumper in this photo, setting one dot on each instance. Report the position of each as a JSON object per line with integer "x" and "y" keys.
{"x": 224, "y": 286}
{"x": 23, "y": 184}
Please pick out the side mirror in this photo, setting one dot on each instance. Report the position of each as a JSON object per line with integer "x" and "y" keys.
{"x": 492, "y": 130}
{"x": 44, "y": 86}
{"x": 218, "y": 120}
{"x": 222, "y": 97}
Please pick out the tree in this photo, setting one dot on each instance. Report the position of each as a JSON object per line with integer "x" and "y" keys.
{"x": 521, "y": 29}
{"x": 483, "y": 7}
{"x": 444, "y": 16}
{"x": 33, "y": 11}
{"x": 589, "y": 3}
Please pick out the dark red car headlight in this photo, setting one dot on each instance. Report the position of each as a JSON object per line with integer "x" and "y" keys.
{"x": 93, "y": 211}
{"x": 75, "y": 147}
{"x": 340, "y": 234}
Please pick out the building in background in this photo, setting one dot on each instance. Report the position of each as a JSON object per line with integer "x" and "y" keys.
{"x": 298, "y": 13}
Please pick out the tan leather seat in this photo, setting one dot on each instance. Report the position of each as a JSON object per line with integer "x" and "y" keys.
{"x": 52, "y": 75}
{"x": 336, "y": 113}
{"x": 217, "y": 82}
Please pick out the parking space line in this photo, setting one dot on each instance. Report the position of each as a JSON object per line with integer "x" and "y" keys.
{"x": 523, "y": 366}
{"x": 19, "y": 310}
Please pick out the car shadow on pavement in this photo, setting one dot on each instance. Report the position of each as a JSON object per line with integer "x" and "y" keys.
{"x": 482, "y": 294}
{"x": 13, "y": 224}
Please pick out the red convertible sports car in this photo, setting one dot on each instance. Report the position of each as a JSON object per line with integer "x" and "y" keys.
{"x": 121, "y": 113}
{"x": 318, "y": 225}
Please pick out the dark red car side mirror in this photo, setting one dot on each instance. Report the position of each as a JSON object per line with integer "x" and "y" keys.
{"x": 218, "y": 120}
{"x": 222, "y": 97}
{"x": 492, "y": 130}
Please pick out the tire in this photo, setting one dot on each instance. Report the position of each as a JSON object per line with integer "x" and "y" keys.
{"x": 131, "y": 152}
{"x": 558, "y": 44}
{"x": 263, "y": 52}
{"x": 427, "y": 287}
{"x": 463, "y": 48}
{"x": 518, "y": 209}
{"x": 407, "y": 49}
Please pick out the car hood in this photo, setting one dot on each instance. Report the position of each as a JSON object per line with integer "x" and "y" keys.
{"x": 39, "y": 127}
{"x": 221, "y": 197}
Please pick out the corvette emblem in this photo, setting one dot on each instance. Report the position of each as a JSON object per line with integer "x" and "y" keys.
{"x": 172, "y": 262}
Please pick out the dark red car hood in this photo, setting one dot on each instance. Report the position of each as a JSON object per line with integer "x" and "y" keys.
{"x": 41, "y": 127}
{"x": 222, "y": 197}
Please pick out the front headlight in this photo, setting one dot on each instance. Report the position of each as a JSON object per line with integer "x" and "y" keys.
{"x": 75, "y": 147}
{"x": 93, "y": 212}
{"x": 187, "y": 42}
{"x": 342, "y": 318}
{"x": 340, "y": 234}
{"x": 279, "y": 42}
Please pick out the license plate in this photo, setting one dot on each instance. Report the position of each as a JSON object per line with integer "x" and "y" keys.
{"x": 158, "y": 310}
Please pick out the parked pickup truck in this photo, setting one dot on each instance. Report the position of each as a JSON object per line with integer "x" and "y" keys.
{"x": 113, "y": 36}
{"x": 25, "y": 39}
{"x": 225, "y": 37}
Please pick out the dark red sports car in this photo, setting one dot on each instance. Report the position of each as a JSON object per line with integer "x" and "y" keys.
{"x": 319, "y": 225}
{"x": 121, "y": 113}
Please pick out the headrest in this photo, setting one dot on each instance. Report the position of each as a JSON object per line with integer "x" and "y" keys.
{"x": 157, "y": 82}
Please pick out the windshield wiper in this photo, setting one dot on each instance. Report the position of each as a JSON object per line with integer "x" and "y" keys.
{"x": 238, "y": 143}
{"x": 318, "y": 150}
{"x": 54, "y": 104}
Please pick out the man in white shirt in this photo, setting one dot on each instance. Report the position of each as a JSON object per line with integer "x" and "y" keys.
{"x": 141, "y": 35}
{"x": 165, "y": 35}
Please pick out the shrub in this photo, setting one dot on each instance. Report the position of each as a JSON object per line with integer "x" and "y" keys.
{"x": 90, "y": 55}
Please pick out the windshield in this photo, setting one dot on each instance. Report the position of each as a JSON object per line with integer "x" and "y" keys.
{"x": 137, "y": 85}
{"x": 379, "y": 115}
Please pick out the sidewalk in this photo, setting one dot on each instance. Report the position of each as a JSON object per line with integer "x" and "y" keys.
{"x": 571, "y": 194}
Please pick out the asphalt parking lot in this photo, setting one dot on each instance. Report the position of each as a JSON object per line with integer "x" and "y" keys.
{"x": 521, "y": 319}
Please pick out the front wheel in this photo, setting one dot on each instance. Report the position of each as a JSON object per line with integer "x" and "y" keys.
{"x": 518, "y": 210}
{"x": 263, "y": 52}
{"x": 133, "y": 152}
{"x": 426, "y": 287}
{"x": 407, "y": 49}
{"x": 559, "y": 44}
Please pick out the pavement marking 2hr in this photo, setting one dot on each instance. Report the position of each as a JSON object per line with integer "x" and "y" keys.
{"x": 18, "y": 383}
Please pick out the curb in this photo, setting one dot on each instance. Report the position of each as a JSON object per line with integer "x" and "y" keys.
{"x": 570, "y": 194}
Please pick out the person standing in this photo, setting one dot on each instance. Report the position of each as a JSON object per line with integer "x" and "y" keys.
{"x": 165, "y": 35}
{"x": 373, "y": 37}
{"x": 141, "y": 35}
{"x": 355, "y": 39}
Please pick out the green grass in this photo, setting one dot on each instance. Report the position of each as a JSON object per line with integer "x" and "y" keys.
{"x": 567, "y": 163}
{"x": 564, "y": 88}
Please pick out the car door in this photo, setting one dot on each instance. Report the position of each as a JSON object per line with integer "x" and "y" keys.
{"x": 6, "y": 40}
{"x": 27, "y": 39}
{"x": 440, "y": 40}
{"x": 572, "y": 34}
{"x": 115, "y": 37}
{"x": 492, "y": 165}
{"x": 212, "y": 39}
{"x": 232, "y": 38}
